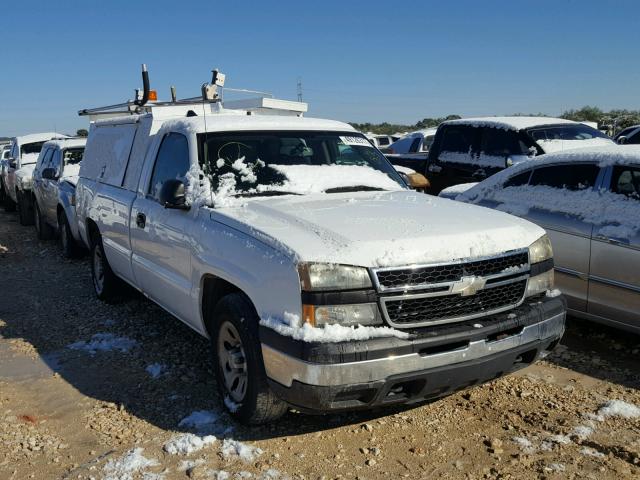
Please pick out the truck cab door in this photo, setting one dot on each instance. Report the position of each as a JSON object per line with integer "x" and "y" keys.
{"x": 160, "y": 236}
{"x": 51, "y": 189}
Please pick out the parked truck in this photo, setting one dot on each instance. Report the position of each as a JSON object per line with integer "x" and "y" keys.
{"x": 321, "y": 280}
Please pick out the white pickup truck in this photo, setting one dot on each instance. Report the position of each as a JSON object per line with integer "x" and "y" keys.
{"x": 323, "y": 283}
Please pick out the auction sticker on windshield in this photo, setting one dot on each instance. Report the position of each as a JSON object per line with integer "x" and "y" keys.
{"x": 361, "y": 141}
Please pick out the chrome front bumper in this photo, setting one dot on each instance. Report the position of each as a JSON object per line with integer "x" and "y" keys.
{"x": 284, "y": 369}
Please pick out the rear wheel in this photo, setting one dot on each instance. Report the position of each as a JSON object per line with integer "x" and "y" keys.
{"x": 9, "y": 204}
{"x": 240, "y": 374}
{"x": 25, "y": 216}
{"x": 43, "y": 229}
{"x": 107, "y": 285}
{"x": 68, "y": 244}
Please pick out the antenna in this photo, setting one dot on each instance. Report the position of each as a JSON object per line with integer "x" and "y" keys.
{"x": 299, "y": 89}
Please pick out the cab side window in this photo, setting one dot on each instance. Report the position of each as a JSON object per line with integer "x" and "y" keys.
{"x": 56, "y": 161}
{"x": 571, "y": 177}
{"x": 172, "y": 162}
{"x": 502, "y": 143}
{"x": 626, "y": 181}
{"x": 46, "y": 159}
{"x": 458, "y": 138}
{"x": 518, "y": 180}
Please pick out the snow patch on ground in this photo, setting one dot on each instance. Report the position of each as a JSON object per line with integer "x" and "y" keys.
{"x": 231, "y": 404}
{"x": 156, "y": 369}
{"x": 104, "y": 342}
{"x": 590, "y": 452}
{"x": 125, "y": 467}
{"x": 561, "y": 439}
{"x": 188, "y": 443}
{"x": 582, "y": 431}
{"x": 199, "y": 420}
{"x": 556, "y": 467}
{"x": 330, "y": 333}
{"x": 525, "y": 444}
{"x": 618, "y": 408}
{"x": 185, "y": 465}
{"x": 233, "y": 448}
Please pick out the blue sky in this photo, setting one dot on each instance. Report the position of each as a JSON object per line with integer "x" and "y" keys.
{"x": 359, "y": 61}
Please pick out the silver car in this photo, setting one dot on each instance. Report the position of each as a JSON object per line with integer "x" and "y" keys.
{"x": 588, "y": 201}
{"x": 54, "y": 184}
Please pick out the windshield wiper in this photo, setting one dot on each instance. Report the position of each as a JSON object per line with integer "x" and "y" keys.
{"x": 353, "y": 188}
{"x": 266, "y": 193}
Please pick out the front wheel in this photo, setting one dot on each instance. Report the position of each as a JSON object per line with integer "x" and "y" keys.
{"x": 240, "y": 374}
{"x": 43, "y": 229}
{"x": 68, "y": 244}
{"x": 107, "y": 285}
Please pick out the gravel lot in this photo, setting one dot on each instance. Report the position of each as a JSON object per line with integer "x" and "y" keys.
{"x": 72, "y": 408}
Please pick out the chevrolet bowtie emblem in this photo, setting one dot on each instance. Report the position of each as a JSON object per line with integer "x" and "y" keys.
{"x": 468, "y": 285}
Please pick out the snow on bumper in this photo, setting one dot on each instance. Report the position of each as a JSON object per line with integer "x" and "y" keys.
{"x": 417, "y": 369}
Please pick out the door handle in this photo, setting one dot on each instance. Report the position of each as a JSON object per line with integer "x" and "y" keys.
{"x": 141, "y": 220}
{"x": 614, "y": 240}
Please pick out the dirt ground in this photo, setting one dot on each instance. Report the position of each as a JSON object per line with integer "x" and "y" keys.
{"x": 71, "y": 409}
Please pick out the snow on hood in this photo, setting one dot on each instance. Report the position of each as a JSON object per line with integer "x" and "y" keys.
{"x": 453, "y": 191}
{"x": 612, "y": 214}
{"x": 551, "y": 146}
{"x": 375, "y": 229}
{"x": 510, "y": 123}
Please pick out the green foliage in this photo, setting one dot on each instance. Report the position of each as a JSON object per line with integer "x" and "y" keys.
{"x": 613, "y": 120}
{"x": 390, "y": 128}
{"x": 82, "y": 132}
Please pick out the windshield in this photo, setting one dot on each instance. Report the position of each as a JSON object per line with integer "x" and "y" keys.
{"x": 565, "y": 132}
{"x": 296, "y": 162}
{"x": 29, "y": 152}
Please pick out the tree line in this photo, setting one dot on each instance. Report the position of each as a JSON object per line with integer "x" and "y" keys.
{"x": 612, "y": 120}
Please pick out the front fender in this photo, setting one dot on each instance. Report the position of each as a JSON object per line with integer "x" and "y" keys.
{"x": 266, "y": 275}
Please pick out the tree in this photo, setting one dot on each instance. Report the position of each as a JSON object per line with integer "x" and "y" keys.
{"x": 82, "y": 132}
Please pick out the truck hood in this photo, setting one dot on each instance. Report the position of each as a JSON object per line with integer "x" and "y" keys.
{"x": 377, "y": 229}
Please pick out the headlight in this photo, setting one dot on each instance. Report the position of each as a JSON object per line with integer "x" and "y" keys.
{"x": 540, "y": 250}
{"x": 347, "y": 315}
{"x": 540, "y": 283}
{"x": 325, "y": 276}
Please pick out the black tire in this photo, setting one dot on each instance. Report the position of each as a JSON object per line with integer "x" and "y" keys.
{"x": 70, "y": 248}
{"x": 258, "y": 404}
{"x": 106, "y": 284}
{"x": 43, "y": 229}
{"x": 3, "y": 194}
{"x": 9, "y": 204}
{"x": 25, "y": 215}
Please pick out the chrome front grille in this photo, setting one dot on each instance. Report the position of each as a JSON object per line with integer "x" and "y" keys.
{"x": 444, "y": 293}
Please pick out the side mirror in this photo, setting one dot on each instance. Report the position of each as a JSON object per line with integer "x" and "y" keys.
{"x": 417, "y": 181}
{"x": 49, "y": 174}
{"x": 172, "y": 195}
{"x": 622, "y": 140}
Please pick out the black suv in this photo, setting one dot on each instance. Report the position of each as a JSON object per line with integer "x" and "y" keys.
{"x": 470, "y": 150}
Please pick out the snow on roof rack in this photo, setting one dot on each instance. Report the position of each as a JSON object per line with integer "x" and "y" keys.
{"x": 264, "y": 104}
